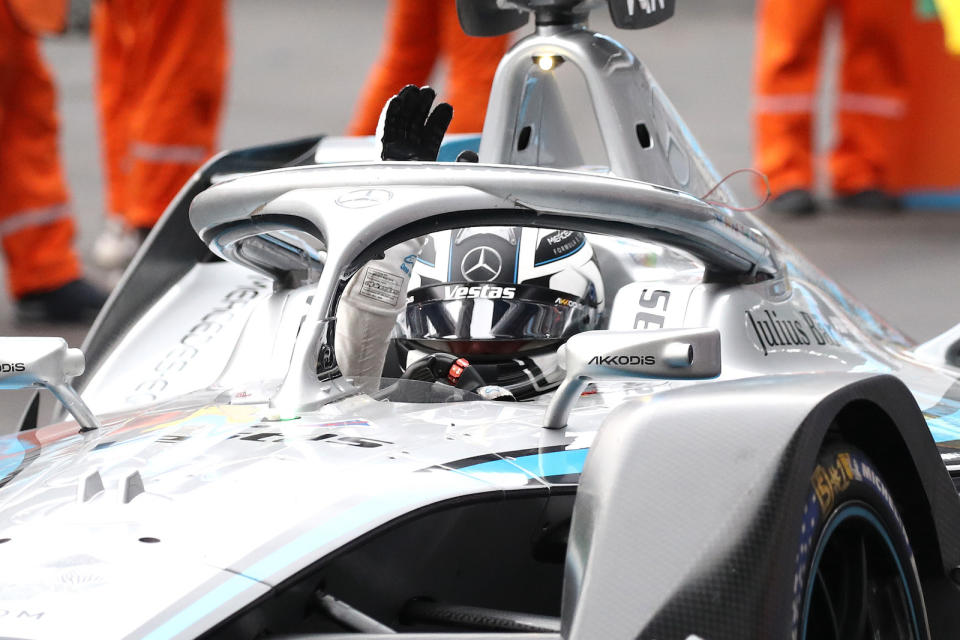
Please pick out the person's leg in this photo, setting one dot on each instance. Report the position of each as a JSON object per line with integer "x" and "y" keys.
{"x": 113, "y": 46}
{"x": 35, "y": 222}
{"x": 789, "y": 39}
{"x": 181, "y": 70}
{"x": 472, "y": 63}
{"x": 409, "y": 52}
{"x": 871, "y": 100}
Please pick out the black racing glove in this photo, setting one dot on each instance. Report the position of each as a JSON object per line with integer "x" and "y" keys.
{"x": 410, "y": 130}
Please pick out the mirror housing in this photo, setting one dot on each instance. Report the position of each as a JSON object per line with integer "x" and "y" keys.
{"x": 943, "y": 349}
{"x": 30, "y": 362}
{"x": 672, "y": 354}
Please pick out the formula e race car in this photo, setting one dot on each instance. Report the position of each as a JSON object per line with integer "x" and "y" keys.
{"x": 521, "y": 397}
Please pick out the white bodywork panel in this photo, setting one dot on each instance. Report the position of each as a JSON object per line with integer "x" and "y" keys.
{"x": 182, "y": 343}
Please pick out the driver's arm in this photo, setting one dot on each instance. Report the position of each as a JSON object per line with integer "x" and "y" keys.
{"x": 369, "y": 307}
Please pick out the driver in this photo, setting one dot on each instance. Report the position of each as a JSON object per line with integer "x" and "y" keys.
{"x": 502, "y": 300}
{"x": 482, "y": 308}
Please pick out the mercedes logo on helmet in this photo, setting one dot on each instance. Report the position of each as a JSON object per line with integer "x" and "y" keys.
{"x": 481, "y": 264}
{"x": 363, "y": 198}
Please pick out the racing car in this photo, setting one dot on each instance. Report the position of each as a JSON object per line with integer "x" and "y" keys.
{"x": 483, "y": 391}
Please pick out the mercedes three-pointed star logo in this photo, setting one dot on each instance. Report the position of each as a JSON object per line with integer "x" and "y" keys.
{"x": 481, "y": 264}
{"x": 363, "y": 198}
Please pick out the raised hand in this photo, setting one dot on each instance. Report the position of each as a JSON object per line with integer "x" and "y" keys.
{"x": 408, "y": 130}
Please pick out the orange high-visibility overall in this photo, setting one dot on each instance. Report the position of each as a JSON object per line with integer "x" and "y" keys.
{"x": 161, "y": 70}
{"x": 870, "y": 97}
{"x": 417, "y": 33}
{"x": 35, "y": 218}
{"x": 929, "y": 162}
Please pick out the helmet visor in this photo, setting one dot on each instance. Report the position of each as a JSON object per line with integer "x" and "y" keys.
{"x": 491, "y": 319}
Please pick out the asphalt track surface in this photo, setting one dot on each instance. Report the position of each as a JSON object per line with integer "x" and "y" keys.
{"x": 298, "y": 66}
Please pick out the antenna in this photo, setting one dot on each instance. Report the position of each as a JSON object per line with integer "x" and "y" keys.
{"x": 496, "y": 17}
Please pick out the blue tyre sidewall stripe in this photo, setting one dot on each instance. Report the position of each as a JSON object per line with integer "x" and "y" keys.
{"x": 845, "y": 513}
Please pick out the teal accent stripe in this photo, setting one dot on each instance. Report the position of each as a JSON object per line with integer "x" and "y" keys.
{"x": 286, "y": 555}
{"x": 856, "y": 512}
{"x": 555, "y": 463}
{"x": 203, "y": 605}
{"x": 451, "y": 149}
{"x": 942, "y": 415}
{"x": 932, "y": 200}
{"x": 11, "y": 456}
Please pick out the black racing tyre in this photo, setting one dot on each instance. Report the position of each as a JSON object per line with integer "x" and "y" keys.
{"x": 855, "y": 577}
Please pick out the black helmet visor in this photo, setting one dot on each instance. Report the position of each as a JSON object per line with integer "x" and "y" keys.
{"x": 492, "y": 319}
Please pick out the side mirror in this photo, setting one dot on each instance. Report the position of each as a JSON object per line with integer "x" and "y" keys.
{"x": 943, "y": 349}
{"x": 28, "y": 362}
{"x": 673, "y": 354}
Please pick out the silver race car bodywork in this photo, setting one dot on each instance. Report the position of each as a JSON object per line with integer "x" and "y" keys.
{"x": 235, "y": 485}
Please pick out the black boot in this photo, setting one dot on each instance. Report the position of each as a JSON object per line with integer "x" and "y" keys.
{"x": 77, "y": 301}
{"x": 869, "y": 200}
{"x": 798, "y": 202}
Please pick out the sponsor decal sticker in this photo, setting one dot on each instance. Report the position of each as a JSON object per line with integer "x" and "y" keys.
{"x": 381, "y": 286}
{"x": 623, "y": 360}
{"x": 191, "y": 343}
{"x": 657, "y": 316}
{"x": 12, "y": 367}
{"x": 486, "y": 292}
{"x": 788, "y": 328}
{"x": 558, "y": 245}
{"x": 829, "y": 481}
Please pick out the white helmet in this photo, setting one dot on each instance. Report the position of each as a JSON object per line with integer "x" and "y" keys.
{"x": 502, "y": 296}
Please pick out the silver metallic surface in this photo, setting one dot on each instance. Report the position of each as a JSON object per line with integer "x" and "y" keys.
{"x": 624, "y": 96}
{"x": 49, "y": 363}
{"x": 687, "y": 354}
{"x": 228, "y": 213}
{"x": 225, "y": 468}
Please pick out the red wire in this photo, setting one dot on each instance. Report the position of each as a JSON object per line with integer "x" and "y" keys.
{"x": 716, "y": 203}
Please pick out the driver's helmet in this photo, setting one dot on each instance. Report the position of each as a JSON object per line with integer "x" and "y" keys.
{"x": 505, "y": 298}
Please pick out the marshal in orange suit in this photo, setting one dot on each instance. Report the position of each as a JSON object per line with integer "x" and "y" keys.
{"x": 418, "y": 32}
{"x": 870, "y": 98}
{"x": 161, "y": 69}
{"x": 36, "y": 225}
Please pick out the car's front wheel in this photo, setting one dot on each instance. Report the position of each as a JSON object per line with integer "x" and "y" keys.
{"x": 855, "y": 573}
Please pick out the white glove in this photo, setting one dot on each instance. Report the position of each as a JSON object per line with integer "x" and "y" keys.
{"x": 368, "y": 310}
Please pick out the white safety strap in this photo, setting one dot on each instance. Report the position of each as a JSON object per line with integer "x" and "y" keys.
{"x": 784, "y": 103}
{"x": 169, "y": 153}
{"x": 882, "y": 106}
{"x": 33, "y": 218}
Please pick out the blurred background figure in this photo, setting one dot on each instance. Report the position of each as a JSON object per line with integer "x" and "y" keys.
{"x": 36, "y": 223}
{"x": 870, "y": 100}
{"x": 927, "y": 170}
{"x": 161, "y": 69}
{"x": 418, "y": 32}
{"x": 949, "y": 13}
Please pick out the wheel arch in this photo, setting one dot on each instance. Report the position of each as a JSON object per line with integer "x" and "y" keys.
{"x": 701, "y": 492}
{"x": 869, "y": 427}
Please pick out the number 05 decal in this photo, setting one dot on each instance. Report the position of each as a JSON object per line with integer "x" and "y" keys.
{"x": 651, "y": 299}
